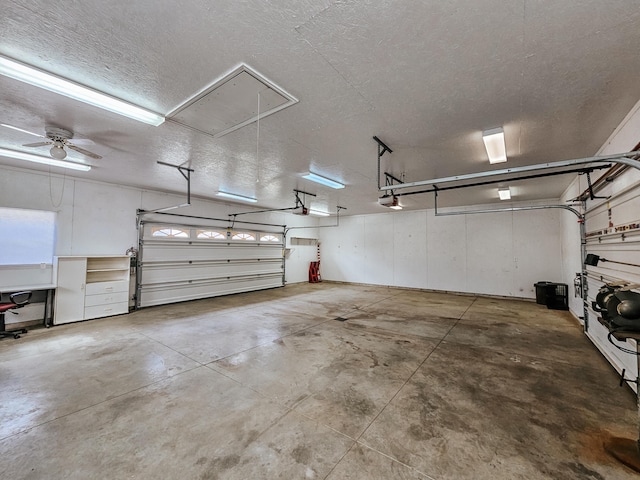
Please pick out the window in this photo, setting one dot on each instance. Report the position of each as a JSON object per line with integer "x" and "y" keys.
{"x": 211, "y": 234}
{"x": 28, "y": 236}
{"x": 243, "y": 236}
{"x": 169, "y": 232}
{"x": 269, "y": 237}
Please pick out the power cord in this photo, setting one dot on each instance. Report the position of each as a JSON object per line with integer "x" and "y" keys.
{"x": 621, "y": 330}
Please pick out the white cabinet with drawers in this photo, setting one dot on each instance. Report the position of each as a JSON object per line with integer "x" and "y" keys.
{"x": 91, "y": 287}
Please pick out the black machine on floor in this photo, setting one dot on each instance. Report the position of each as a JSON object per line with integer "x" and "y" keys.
{"x": 17, "y": 300}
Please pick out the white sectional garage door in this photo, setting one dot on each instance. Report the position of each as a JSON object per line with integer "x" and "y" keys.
{"x": 186, "y": 262}
{"x": 613, "y": 234}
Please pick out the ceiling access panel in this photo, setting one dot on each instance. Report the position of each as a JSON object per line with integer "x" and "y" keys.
{"x": 239, "y": 98}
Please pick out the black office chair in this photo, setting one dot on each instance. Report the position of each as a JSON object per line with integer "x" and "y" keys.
{"x": 18, "y": 300}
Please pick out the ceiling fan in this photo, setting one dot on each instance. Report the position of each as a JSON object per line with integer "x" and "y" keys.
{"x": 58, "y": 138}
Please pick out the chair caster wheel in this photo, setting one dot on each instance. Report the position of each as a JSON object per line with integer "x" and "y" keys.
{"x": 16, "y": 336}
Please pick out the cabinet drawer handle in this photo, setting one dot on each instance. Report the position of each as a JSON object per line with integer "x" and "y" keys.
{"x": 109, "y": 289}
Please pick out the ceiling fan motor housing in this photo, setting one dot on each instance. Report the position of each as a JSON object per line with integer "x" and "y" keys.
{"x": 58, "y": 134}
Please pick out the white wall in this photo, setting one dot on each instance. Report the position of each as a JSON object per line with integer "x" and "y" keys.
{"x": 495, "y": 254}
{"x": 100, "y": 219}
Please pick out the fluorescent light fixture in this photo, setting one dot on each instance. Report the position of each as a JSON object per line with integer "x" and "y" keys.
{"x": 29, "y": 157}
{"x": 233, "y": 196}
{"x": 39, "y": 78}
{"x": 20, "y": 130}
{"x": 494, "y": 144}
{"x": 318, "y": 213}
{"x": 322, "y": 180}
{"x": 504, "y": 193}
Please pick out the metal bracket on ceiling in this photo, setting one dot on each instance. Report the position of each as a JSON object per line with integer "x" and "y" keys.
{"x": 389, "y": 179}
{"x": 338, "y": 208}
{"x": 382, "y": 149}
{"x": 299, "y": 203}
{"x": 186, "y": 173}
{"x": 337, "y": 224}
{"x": 592, "y": 196}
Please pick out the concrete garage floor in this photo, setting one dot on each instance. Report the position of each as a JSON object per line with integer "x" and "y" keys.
{"x": 269, "y": 384}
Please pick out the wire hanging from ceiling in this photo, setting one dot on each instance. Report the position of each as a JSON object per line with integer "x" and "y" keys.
{"x": 258, "y": 142}
{"x": 55, "y": 203}
{"x": 523, "y": 45}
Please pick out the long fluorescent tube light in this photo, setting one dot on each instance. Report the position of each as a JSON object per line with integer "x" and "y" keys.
{"x": 20, "y": 130}
{"x": 494, "y": 144}
{"x": 29, "y": 157}
{"x": 504, "y": 193}
{"x": 233, "y": 196}
{"x": 323, "y": 180}
{"x": 39, "y": 78}
{"x": 318, "y": 213}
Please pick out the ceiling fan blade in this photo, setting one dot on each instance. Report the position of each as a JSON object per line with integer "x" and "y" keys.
{"x": 84, "y": 152}
{"x": 37, "y": 144}
{"x": 82, "y": 141}
{"x": 21, "y": 130}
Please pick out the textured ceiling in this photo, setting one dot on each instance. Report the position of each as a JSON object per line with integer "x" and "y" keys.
{"x": 425, "y": 77}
